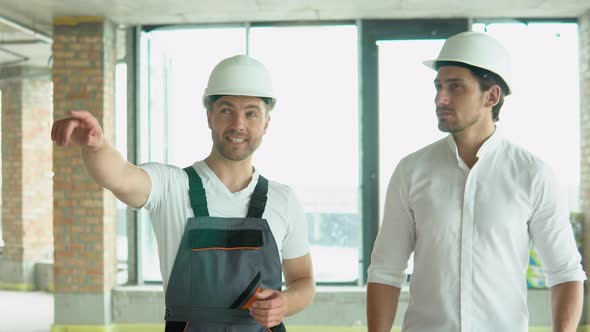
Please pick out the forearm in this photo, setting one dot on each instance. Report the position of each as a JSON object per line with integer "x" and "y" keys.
{"x": 300, "y": 294}
{"x": 382, "y": 303}
{"x": 566, "y": 306}
{"x": 110, "y": 170}
{"x": 105, "y": 165}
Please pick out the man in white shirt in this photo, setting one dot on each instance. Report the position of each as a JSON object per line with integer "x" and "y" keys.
{"x": 468, "y": 208}
{"x": 225, "y": 234}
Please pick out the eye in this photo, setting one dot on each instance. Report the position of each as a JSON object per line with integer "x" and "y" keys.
{"x": 225, "y": 111}
{"x": 252, "y": 114}
{"x": 456, "y": 87}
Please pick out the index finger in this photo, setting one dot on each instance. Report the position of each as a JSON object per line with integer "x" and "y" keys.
{"x": 80, "y": 114}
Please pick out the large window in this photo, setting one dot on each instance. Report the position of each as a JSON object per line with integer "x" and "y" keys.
{"x": 407, "y": 121}
{"x": 312, "y": 141}
{"x": 338, "y": 156}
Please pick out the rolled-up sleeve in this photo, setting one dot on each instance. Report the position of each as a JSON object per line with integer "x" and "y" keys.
{"x": 552, "y": 234}
{"x": 396, "y": 237}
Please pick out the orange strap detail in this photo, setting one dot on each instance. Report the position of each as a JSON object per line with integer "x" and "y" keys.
{"x": 224, "y": 248}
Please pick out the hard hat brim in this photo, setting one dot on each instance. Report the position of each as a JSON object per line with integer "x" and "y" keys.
{"x": 432, "y": 65}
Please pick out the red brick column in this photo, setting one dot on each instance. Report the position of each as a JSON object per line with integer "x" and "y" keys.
{"x": 27, "y": 209}
{"x": 84, "y": 214}
{"x": 584, "y": 31}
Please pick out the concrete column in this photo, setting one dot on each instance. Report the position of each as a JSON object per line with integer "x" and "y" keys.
{"x": 84, "y": 214}
{"x": 27, "y": 209}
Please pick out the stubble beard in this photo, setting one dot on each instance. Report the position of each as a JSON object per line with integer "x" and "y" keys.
{"x": 457, "y": 126}
{"x": 233, "y": 153}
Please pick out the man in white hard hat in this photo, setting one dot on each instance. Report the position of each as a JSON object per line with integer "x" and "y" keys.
{"x": 225, "y": 234}
{"x": 468, "y": 207}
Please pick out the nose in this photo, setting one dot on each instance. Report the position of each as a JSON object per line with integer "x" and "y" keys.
{"x": 238, "y": 122}
{"x": 441, "y": 98}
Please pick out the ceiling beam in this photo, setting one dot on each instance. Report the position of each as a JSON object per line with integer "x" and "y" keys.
{"x": 20, "y": 41}
{"x": 30, "y": 31}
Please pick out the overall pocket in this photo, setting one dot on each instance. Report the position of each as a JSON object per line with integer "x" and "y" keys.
{"x": 226, "y": 264}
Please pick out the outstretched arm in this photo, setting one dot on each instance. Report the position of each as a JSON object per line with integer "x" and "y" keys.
{"x": 103, "y": 162}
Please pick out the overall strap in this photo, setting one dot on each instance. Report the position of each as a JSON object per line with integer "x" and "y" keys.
{"x": 196, "y": 193}
{"x": 258, "y": 198}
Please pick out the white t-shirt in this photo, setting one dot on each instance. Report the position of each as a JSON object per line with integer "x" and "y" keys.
{"x": 169, "y": 208}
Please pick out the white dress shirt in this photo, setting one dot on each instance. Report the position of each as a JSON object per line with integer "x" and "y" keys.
{"x": 470, "y": 231}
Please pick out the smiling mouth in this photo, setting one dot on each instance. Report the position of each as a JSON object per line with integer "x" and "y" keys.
{"x": 236, "y": 139}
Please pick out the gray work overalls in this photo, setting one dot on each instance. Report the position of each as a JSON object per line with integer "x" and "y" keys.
{"x": 221, "y": 263}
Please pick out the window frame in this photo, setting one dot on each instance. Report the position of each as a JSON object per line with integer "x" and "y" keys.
{"x": 369, "y": 33}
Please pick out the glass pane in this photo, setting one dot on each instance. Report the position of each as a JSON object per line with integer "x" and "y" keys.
{"x": 179, "y": 63}
{"x": 407, "y": 118}
{"x": 121, "y": 145}
{"x": 1, "y": 239}
{"x": 312, "y": 141}
{"x": 543, "y": 113}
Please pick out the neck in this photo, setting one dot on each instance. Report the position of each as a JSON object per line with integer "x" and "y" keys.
{"x": 470, "y": 140}
{"x": 235, "y": 175}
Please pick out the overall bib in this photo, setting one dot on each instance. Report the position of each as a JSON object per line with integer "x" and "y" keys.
{"x": 221, "y": 263}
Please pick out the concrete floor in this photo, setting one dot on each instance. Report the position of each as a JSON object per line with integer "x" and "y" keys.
{"x": 25, "y": 311}
{"x": 33, "y": 312}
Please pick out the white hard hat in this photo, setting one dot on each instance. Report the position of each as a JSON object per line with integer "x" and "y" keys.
{"x": 239, "y": 75}
{"x": 476, "y": 49}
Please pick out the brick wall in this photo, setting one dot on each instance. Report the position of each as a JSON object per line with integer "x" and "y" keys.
{"x": 84, "y": 214}
{"x": 27, "y": 209}
{"x": 12, "y": 228}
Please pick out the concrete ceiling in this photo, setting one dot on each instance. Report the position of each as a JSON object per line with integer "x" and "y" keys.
{"x": 18, "y": 46}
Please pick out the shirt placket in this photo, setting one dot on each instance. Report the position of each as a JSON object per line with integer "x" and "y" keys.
{"x": 467, "y": 225}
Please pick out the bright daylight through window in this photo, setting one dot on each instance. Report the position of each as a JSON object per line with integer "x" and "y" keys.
{"x": 313, "y": 139}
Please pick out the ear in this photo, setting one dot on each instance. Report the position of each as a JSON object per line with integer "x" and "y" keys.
{"x": 267, "y": 122}
{"x": 209, "y": 118}
{"x": 493, "y": 96}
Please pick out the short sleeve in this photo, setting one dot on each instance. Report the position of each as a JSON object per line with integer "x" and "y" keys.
{"x": 295, "y": 243}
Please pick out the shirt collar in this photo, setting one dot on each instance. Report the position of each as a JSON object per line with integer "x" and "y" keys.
{"x": 489, "y": 146}
{"x": 211, "y": 176}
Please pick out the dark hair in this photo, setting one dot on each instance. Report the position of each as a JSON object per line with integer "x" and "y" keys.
{"x": 269, "y": 102}
{"x": 486, "y": 78}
